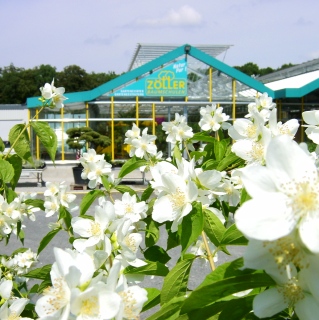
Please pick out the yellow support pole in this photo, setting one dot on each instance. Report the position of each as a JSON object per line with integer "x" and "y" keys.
{"x": 87, "y": 113}
{"x": 37, "y": 141}
{"x": 153, "y": 116}
{"x": 234, "y": 99}
{"x": 302, "y": 110}
{"x": 210, "y": 84}
{"x": 136, "y": 110}
{"x": 112, "y": 128}
{"x": 62, "y": 133}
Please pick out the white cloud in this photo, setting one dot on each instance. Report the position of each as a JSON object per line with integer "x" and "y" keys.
{"x": 186, "y": 16}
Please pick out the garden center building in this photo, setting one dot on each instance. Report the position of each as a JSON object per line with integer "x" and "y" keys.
{"x": 165, "y": 79}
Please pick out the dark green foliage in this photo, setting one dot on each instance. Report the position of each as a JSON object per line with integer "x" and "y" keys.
{"x": 78, "y": 136}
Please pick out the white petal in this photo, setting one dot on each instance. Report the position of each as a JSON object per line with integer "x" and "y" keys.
{"x": 268, "y": 303}
{"x": 265, "y": 218}
{"x": 284, "y": 157}
{"x": 162, "y": 210}
{"x": 307, "y": 308}
{"x": 257, "y": 180}
{"x": 5, "y": 288}
{"x": 309, "y": 233}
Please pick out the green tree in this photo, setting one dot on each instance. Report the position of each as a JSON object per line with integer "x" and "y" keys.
{"x": 79, "y": 136}
{"x": 249, "y": 68}
{"x": 73, "y": 79}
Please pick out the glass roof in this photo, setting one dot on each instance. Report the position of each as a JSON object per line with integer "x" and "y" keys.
{"x": 146, "y": 52}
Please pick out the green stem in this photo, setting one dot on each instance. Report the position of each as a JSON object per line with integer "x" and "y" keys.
{"x": 209, "y": 253}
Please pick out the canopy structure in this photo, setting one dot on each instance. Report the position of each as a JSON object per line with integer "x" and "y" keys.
{"x": 166, "y": 79}
{"x": 146, "y": 52}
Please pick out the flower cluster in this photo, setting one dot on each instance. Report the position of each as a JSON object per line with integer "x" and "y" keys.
{"x": 213, "y": 118}
{"x": 95, "y": 167}
{"x": 142, "y": 146}
{"x": 257, "y": 187}
{"x": 53, "y": 94}
{"x": 281, "y": 218}
{"x": 56, "y": 196}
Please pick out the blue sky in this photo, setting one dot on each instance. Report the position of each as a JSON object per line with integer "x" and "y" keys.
{"x": 101, "y": 35}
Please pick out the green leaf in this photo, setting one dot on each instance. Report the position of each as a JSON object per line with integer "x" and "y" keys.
{"x": 106, "y": 183}
{"x": 175, "y": 283}
{"x": 152, "y": 268}
{"x": 210, "y": 290}
{"x": 20, "y": 141}
{"x": 213, "y": 227}
{"x": 46, "y": 240}
{"x": 203, "y": 136}
{"x": 173, "y": 239}
{"x": 156, "y": 253}
{"x": 2, "y": 146}
{"x": 229, "y": 162}
{"x": 191, "y": 226}
{"x": 233, "y": 236}
{"x": 177, "y": 153}
{"x": 66, "y": 216}
{"x": 220, "y": 148}
{"x": 6, "y": 171}
{"x": 47, "y": 137}
{"x": 131, "y": 165}
{"x": 88, "y": 199}
{"x": 16, "y": 163}
{"x": 147, "y": 193}
{"x": 124, "y": 189}
{"x": 153, "y": 298}
{"x": 208, "y": 312}
{"x": 152, "y": 232}
{"x": 237, "y": 309}
{"x": 169, "y": 311}
{"x": 42, "y": 273}
{"x": 210, "y": 164}
{"x": 36, "y": 203}
{"x": 244, "y": 196}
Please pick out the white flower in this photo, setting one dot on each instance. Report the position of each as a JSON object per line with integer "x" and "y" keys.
{"x": 129, "y": 243}
{"x": 13, "y": 312}
{"x": 49, "y": 91}
{"x": 144, "y": 145}
{"x": 253, "y": 152}
{"x": 95, "y": 302}
{"x": 51, "y": 206}
{"x": 46, "y": 91}
{"x": 275, "y": 256}
{"x": 93, "y": 230}
{"x": 176, "y": 200}
{"x": 263, "y": 104}
{"x": 96, "y": 171}
{"x": 71, "y": 270}
{"x": 285, "y": 196}
{"x": 289, "y": 128}
{"x": 6, "y": 288}
{"x": 312, "y": 120}
{"x": 129, "y": 208}
{"x": 177, "y": 130}
{"x": 291, "y": 292}
{"x": 132, "y": 134}
{"x": 247, "y": 129}
{"x": 213, "y": 118}
{"x": 133, "y": 299}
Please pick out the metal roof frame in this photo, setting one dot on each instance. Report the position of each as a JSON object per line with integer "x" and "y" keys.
{"x": 87, "y": 96}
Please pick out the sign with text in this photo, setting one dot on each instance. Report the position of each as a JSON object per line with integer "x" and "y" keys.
{"x": 168, "y": 81}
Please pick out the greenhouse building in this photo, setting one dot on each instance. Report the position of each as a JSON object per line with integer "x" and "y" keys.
{"x": 165, "y": 79}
